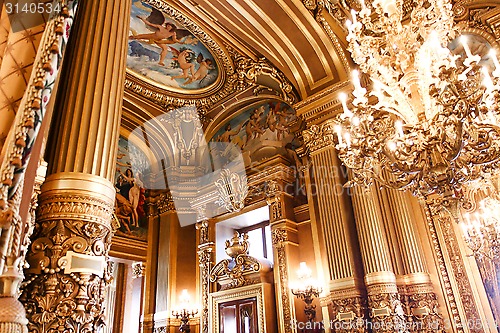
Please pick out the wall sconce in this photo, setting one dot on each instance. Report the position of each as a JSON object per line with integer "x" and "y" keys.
{"x": 184, "y": 311}
{"x": 307, "y": 289}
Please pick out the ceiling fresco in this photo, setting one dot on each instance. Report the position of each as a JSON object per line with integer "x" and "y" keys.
{"x": 163, "y": 52}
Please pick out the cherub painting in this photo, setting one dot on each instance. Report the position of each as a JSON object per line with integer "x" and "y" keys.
{"x": 163, "y": 51}
{"x": 261, "y": 131}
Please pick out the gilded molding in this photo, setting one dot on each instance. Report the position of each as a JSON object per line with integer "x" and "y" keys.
{"x": 206, "y": 248}
{"x": 349, "y": 314}
{"x": 435, "y": 215}
{"x": 75, "y": 206}
{"x": 257, "y": 291}
{"x": 279, "y": 239}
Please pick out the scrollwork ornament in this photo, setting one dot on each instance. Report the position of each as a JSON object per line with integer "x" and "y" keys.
{"x": 386, "y": 310}
{"x": 55, "y": 298}
{"x": 205, "y": 260}
{"x": 422, "y": 309}
{"x": 349, "y": 314}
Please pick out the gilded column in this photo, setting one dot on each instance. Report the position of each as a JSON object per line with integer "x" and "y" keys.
{"x": 206, "y": 250}
{"x": 67, "y": 275}
{"x": 419, "y": 299}
{"x": 336, "y": 225}
{"x": 384, "y": 302}
{"x": 285, "y": 251}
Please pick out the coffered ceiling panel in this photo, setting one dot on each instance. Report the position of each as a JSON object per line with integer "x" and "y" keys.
{"x": 283, "y": 31}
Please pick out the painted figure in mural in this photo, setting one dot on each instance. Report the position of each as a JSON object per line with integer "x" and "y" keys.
{"x": 276, "y": 121}
{"x": 129, "y": 188}
{"x": 186, "y": 66}
{"x": 226, "y": 136}
{"x": 164, "y": 33}
{"x": 202, "y": 71}
{"x": 254, "y": 128}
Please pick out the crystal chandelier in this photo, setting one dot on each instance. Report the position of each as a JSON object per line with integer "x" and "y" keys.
{"x": 429, "y": 123}
{"x": 232, "y": 190}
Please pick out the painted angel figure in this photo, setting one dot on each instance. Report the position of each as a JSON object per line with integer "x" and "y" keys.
{"x": 201, "y": 73}
{"x": 164, "y": 33}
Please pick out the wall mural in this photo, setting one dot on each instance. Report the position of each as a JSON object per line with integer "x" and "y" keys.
{"x": 261, "y": 131}
{"x": 130, "y": 208}
{"x": 163, "y": 51}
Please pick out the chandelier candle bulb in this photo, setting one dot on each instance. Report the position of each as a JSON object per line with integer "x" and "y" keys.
{"x": 347, "y": 138}
{"x": 399, "y": 128}
{"x": 358, "y": 90}
{"x": 338, "y": 129}
{"x": 343, "y": 100}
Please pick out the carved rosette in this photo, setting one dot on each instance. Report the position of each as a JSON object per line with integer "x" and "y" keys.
{"x": 65, "y": 285}
{"x": 386, "y": 310}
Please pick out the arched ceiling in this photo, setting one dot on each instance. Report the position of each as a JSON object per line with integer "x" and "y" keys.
{"x": 285, "y": 32}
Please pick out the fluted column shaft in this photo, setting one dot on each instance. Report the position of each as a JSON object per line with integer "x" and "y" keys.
{"x": 409, "y": 244}
{"x": 383, "y": 297}
{"x": 68, "y": 274}
{"x": 414, "y": 284}
{"x": 337, "y": 230}
{"x": 89, "y": 104}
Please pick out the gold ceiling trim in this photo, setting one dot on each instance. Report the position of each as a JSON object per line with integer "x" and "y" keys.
{"x": 314, "y": 43}
{"x": 337, "y": 12}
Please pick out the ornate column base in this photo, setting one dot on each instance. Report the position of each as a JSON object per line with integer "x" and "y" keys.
{"x": 349, "y": 311}
{"x": 65, "y": 284}
{"x": 386, "y": 310}
{"x": 420, "y": 304}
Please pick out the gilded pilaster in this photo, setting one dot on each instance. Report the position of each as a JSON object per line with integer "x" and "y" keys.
{"x": 336, "y": 225}
{"x": 206, "y": 250}
{"x": 68, "y": 272}
{"x": 285, "y": 246}
{"x": 164, "y": 236}
{"x": 466, "y": 312}
{"x": 384, "y": 302}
